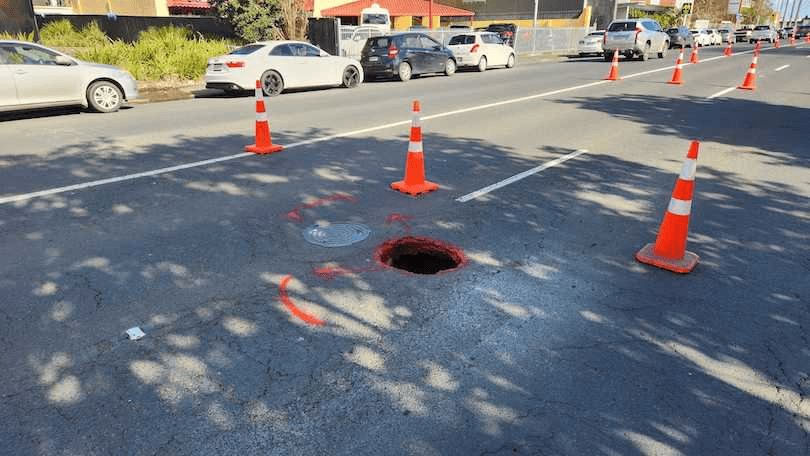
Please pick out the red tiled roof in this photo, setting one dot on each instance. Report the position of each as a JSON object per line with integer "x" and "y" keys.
{"x": 397, "y": 8}
{"x": 188, "y": 4}
{"x": 309, "y": 5}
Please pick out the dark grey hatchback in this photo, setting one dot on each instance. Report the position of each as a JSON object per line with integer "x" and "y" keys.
{"x": 403, "y": 55}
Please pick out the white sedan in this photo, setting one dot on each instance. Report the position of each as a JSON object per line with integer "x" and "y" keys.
{"x": 591, "y": 43}
{"x": 482, "y": 50}
{"x": 701, "y": 37}
{"x": 280, "y": 65}
{"x": 34, "y": 76}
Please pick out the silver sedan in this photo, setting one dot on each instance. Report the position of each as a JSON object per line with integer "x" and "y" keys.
{"x": 34, "y": 76}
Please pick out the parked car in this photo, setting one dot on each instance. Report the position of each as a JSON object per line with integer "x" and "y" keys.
{"x": 785, "y": 32}
{"x": 725, "y": 33}
{"x": 403, "y": 55}
{"x": 591, "y": 43}
{"x": 743, "y": 34}
{"x": 635, "y": 37}
{"x": 482, "y": 50}
{"x": 701, "y": 37}
{"x": 802, "y": 31}
{"x": 34, "y": 76}
{"x": 763, "y": 33}
{"x": 507, "y": 32}
{"x": 680, "y": 37}
{"x": 715, "y": 37}
{"x": 280, "y": 65}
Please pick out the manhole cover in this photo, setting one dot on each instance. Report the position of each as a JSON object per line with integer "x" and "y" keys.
{"x": 336, "y": 234}
{"x": 420, "y": 255}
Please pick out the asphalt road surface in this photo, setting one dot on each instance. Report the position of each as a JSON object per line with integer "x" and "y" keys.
{"x": 549, "y": 339}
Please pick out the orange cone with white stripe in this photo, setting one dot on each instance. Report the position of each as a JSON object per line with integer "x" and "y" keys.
{"x": 264, "y": 143}
{"x": 729, "y": 50}
{"x": 792, "y": 39}
{"x": 694, "y": 57}
{"x": 757, "y": 47}
{"x": 750, "y": 82}
{"x": 776, "y": 43}
{"x": 414, "y": 182}
{"x": 669, "y": 251}
{"x": 614, "y": 68}
{"x": 676, "y": 75}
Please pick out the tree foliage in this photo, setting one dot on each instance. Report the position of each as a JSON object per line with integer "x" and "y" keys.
{"x": 256, "y": 20}
{"x": 666, "y": 19}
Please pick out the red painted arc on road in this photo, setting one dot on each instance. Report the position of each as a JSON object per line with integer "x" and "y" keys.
{"x": 285, "y": 298}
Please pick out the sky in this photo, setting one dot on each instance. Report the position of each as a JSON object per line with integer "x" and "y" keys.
{"x": 779, "y": 5}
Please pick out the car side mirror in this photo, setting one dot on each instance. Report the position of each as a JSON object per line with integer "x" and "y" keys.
{"x": 62, "y": 60}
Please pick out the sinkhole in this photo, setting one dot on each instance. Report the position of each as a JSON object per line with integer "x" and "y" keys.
{"x": 420, "y": 255}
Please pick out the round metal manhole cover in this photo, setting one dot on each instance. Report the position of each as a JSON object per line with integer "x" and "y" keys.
{"x": 336, "y": 234}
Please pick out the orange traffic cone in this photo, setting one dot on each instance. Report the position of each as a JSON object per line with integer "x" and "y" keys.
{"x": 776, "y": 43}
{"x": 729, "y": 50}
{"x": 792, "y": 40}
{"x": 807, "y": 38}
{"x": 414, "y": 182}
{"x": 694, "y": 57}
{"x": 751, "y": 77}
{"x": 264, "y": 143}
{"x": 669, "y": 251}
{"x": 614, "y": 68}
{"x": 676, "y": 75}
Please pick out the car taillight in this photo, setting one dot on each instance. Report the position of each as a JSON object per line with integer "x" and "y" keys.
{"x": 235, "y": 64}
{"x": 638, "y": 30}
{"x": 392, "y": 51}
{"x": 474, "y": 48}
{"x": 507, "y": 33}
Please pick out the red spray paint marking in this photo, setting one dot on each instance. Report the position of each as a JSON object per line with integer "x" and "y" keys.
{"x": 400, "y": 218}
{"x": 285, "y": 298}
{"x": 294, "y": 214}
{"x": 331, "y": 273}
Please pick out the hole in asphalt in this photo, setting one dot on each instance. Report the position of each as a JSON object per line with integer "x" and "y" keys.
{"x": 420, "y": 255}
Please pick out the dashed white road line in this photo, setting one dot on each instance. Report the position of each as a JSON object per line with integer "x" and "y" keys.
{"x": 96, "y": 183}
{"x": 781, "y": 68}
{"x": 520, "y": 176}
{"x": 722, "y": 92}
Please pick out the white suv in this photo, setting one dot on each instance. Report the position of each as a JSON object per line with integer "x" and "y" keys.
{"x": 635, "y": 37}
{"x": 764, "y": 33}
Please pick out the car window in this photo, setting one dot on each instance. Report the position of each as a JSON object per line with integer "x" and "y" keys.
{"x": 491, "y": 38}
{"x": 24, "y": 54}
{"x": 309, "y": 51}
{"x": 761, "y": 27}
{"x": 462, "y": 39}
{"x": 379, "y": 42}
{"x": 411, "y": 42}
{"x": 282, "y": 50}
{"x": 622, "y": 27}
{"x": 249, "y": 49}
{"x": 428, "y": 42}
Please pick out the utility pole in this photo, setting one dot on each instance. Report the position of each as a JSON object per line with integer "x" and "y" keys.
{"x": 430, "y": 14}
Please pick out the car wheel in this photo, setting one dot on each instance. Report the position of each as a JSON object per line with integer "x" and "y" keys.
{"x": 663, "y": 52}
{"x": 404, "y": 71}
{"x": 351, "y": 77}
{"x": 450, "y": 67}
{"x": 272, "y": 84}
{"x": 510, "y": 62}
{"x": 104, "y": 96}
{"x": 482, "y": 64}
{"x": 645, "y": 54}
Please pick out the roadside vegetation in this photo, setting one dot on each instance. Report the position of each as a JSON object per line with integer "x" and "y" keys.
{"x": 166, "y": 53}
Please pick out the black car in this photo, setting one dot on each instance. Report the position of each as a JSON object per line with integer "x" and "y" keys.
{"x": 506, "y": 32}
{"x": 680, "y": 37}
{"x": 802, "y": 31}
{"x": 406, "y": 54}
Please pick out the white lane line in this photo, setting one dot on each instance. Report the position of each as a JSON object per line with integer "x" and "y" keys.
{"x": 520, "y": 176}
{"x": 722, "y": 92}
{"x": 112, "y": 180}
{"x": 57, "y": 190}
{"x": 781, "y": 68}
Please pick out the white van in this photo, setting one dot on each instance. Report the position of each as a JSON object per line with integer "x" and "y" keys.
{"x": 376, "y": 16}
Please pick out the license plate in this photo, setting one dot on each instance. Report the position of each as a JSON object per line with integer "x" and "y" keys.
{"x": 373, "y": 59}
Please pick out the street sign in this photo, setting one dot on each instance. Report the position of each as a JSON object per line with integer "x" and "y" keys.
{"x": 734, "y": 6}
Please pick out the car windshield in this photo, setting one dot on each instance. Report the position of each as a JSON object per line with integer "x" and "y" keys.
{"x": 375, "y": 19}
{"x": 245, "y": 50}
{"x": 622, "y": 27}
{"x": 672, "y": 30}
{"x": 761, "y": 27}
{"x": 596, "y": 33}
{"x": 379, "y": 42}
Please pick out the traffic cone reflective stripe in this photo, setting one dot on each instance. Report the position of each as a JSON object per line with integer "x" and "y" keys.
{"x": 676, "y": 75}
{"x": 669, "y": 250}
{"x": 751, "y": 77}
{"x": 614, "y": 68}
{"x": 729, "y": 50}
{"x": 694, "y": 57}
{"x": 264, "y": 142}
{"x": 414, "y": 182}
{"x": 776, "y": 43}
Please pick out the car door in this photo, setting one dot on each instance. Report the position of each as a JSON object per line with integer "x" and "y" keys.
{"x": 415, "y": 54}
{"x": 8, "y": 89}
{"x": 497, "y": 51}
{"x": 433, "y": 53}
{"x": 315, "y": 70}
{"x": 40, "y": 80}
